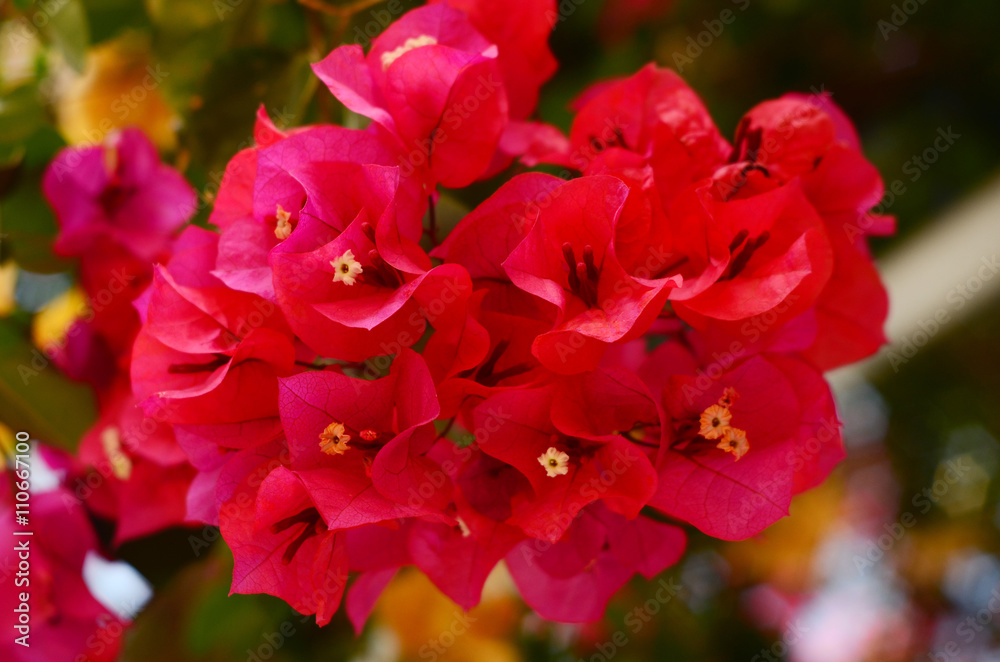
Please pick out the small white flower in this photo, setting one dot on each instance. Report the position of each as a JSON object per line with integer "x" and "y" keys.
{"x": 555, "y": 461}
{"x": 346, "y": 268}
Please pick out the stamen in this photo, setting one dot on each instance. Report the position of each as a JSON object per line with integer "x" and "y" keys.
{"x": 743, "y": 257}
{"x": 121, "y": 465}
{"x": 369, "y": 231}
{"x": 737, "y": 240}
{"x": 314, "y": 529}
{"x": 620, "y": 137}
{"x": 284, "y": 226}
{"x": 588, "y": 259}
{"x": 574, "y": 280}
{"x": 588, "y": 287}
{"x": 307, "y": 515}
{"x": 192, "y": 368}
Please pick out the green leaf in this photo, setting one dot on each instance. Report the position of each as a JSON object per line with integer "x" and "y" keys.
{"x": 36, "y": 397}
{"x": 67, "y": 30}
{"x": 21, "y": 114}
{"x": 27, "y": 229}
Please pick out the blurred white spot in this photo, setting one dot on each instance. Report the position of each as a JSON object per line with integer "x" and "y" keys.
{"x": 864, "y": 413}
{"x": 383, "y": 646}
{"x": 43, "y": 477}
{"x": 970, "y": 577}
{"x": 116, "y": 585}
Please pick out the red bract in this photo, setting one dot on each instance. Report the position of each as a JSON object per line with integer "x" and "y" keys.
{"x": 281, "y": 546}
{"x": 360, "y": 287}
{"x": 432, "y": 81}
{"x": 359, "y": 446}
{"x": 352, "y": 396}
{"x": 521, "y": 33}
{"x": 63, "y": 619}
{"x": 209, "y": 354}
{"x": 568, "y": 259}
{"x": 779, "y": 255}
{"x": 266, "y": 189}
{"x": 140, "y": 476}
{"x": 119, "y": 193}
{"x": 573, "y": 579}
{"x": 778, "y": 406}
{"x": 656, "y": 115}
{"x": 567, "y": 464}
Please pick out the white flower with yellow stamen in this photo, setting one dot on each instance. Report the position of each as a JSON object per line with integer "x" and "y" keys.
{"x": 346, "y": 269}
{"x": 555, "y": 461}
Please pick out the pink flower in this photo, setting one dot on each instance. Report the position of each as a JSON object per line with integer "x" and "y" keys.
{"x": 783, "y": 408}
{"x": 433, "y": 82}
{"x": 568, "y": 259}
{"x": 118, "y": 192}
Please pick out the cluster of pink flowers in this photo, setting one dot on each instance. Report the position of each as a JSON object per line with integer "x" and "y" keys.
{"x": 585, "y": 363}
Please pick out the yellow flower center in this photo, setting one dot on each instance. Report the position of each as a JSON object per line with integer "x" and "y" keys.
{"x": 555, "y": 462}
{"x": 715, "y": 424}
{"x": 333, "y": 440}
{"x": 346, "y": 269}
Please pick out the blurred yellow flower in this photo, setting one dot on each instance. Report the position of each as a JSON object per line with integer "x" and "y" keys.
{"x": 425, "y": 623}
{"x": 8, "y": 280}
{"x": 120, "y": 87}
{"x": 783, "y": 555}
{"x": 6, "y": 442}
{"x": 50, "y": 325}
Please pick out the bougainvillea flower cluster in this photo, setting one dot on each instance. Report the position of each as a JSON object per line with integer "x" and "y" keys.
{"x": 587, "y": 363}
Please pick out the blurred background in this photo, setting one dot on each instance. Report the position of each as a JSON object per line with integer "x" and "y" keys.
{"x": 893, "y": 558}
